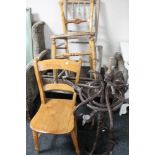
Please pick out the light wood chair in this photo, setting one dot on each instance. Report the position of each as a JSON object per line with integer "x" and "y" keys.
{"x": 55, "y": 116}
{"x": 67, "y": 35}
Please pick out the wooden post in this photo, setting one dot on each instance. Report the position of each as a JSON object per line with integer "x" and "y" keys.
{"x": 61, "y": 4}
{"x": 64, "y": 22}
{"x": 92, "y": 57}
{"x": 91, "y": 15}
{"x": 39, "y": 81}
{"x": 36, "y": 140}
{"x": 75, "y": 141}
{"x": 53, "y": 54}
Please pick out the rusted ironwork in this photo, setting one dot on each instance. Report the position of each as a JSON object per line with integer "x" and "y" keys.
{"x": 110, "y": 93}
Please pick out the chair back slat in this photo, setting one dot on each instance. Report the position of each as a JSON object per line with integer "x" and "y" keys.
{"x": 56, "y": 64}
{"x": 79, "y": 13}
{"x": 58, "y": 87}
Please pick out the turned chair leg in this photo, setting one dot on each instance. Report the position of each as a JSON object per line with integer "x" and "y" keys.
{"x": 75, "y": 127}
{"x": 36, "y": 140}
{"x": 75, "y": 141}
{"x": 92, "y": 56}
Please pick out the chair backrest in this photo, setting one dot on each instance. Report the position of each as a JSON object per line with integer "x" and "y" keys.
{"x": 79, "y": 12}
{"x": 56, "y": 64}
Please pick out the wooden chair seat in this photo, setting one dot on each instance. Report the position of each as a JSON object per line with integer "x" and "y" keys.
{"x": 72, "y": 13}
{"x": 55, "y": 117}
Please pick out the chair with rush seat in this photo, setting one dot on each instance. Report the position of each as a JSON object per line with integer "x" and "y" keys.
{"x": 76, "y": 19}
{"x": 55, "y": 116}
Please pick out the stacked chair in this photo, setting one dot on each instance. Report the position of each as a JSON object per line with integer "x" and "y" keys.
{"x": 56, "y": 116}
{"x": 77, "y": 15}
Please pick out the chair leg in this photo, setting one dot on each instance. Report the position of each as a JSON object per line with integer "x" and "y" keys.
{"x": 75, "y": 141}
{"x": 92, "y": 57}
{"x": 75, "y": 127}
{"x": 36, "y": 140}
{"x": 53, "y": 54}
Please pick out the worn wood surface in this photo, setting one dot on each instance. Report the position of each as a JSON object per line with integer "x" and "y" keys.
{"x": 75, "y": 142}
{"x": 53, "y": 54}
{"x": 55, "y": 116}
{"x": 72, "y": 54}
{"x": 36, "y": 140}
{"x": 76, "y": 21}
{"x": 92, "y": 56}
{"x": 89, "y": 34}
{"x": 63, "y": 64}
{"x": 80, "y": 1}
{"x": 73, "y": 35}
{"x": 91, "y": 15}
{"x": 62, "y": 11}
{"x": 39, "y": 81}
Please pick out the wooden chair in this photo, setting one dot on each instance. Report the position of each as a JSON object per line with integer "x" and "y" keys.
{"x": 70, "y": 35}
{"x": 55, "y": 116}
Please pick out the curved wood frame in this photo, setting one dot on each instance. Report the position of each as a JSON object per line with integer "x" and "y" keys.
{"x": 73, "y": 35}
{"x": 46, "y": 105}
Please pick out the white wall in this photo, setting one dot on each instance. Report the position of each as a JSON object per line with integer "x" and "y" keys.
{"x": 113, "y": 25}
